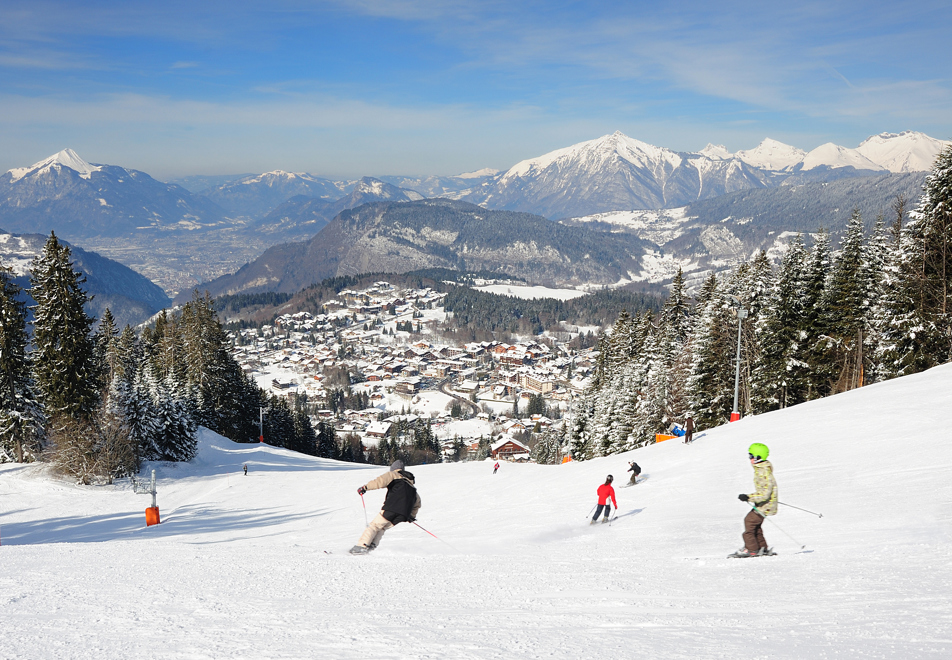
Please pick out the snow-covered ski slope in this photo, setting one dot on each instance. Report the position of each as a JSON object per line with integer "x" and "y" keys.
{"x": 238, "y": 568}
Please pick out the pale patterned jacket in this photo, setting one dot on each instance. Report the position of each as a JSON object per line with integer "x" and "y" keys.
{"x": 766, "y": 494}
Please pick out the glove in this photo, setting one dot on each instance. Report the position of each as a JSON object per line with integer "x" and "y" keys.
{"x": 743, "y": 498}
{"x": 411, "y": 520}
{"x": 363, "y": 489}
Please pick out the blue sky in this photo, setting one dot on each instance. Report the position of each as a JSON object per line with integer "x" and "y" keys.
{"x": 424, "y": 87}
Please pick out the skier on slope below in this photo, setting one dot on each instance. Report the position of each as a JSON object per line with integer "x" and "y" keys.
{"x": 605, "y": 491}
{"x": 635, "y": 471}
{"x": 763, "y": 503}
{"x": 401, "y": 505}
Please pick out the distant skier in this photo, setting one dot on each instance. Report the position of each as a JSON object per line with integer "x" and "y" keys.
{"x": 763, "y": 501}
{"x": 400, "y": 505}
{"x": 605, "y": 491}
{"x": 246, "y": 469}
{"x": 689, "y": 430}
{"x": 496, "y": 467}
{"x": 635, "y": 471}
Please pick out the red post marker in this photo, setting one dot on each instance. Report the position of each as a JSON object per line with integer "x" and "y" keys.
{"x": 735, "y": 416}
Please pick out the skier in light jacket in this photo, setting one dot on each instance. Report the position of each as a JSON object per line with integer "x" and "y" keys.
{"x": 401, "y": 505}
{"x": 763, "y": 501}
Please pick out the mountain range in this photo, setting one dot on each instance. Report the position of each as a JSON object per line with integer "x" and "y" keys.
{"x": 713, "y": 233}
{"x": 435, "y": 233}
{"x": 131, "y": 297}
{"x": 616, "y": 172}
{"x": 301, "y": 216}
{"x": 78, "y": 199}
{"x": 226, "y": 221}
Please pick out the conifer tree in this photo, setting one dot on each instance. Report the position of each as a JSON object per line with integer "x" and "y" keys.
{"x": 779, "y": 379}
{"x": 327, "y": 441}
{"x": 106, "y": 351}
{"x": 916, "y": 329}
{"x": 812, "y": 349}
{"x": 175, "y": 430}
{"x": 711, "y": 384}
{"x": 579, "y": 423}
{"x": 875, "y": 260}
{"x": 839, "y": 356}
{"x": 64, "y": 360}
{"x": 21, "y": 418}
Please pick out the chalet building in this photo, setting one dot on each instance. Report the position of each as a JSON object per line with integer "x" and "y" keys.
{"x": 378, "y": 429}
{"x": 509, "y": 449}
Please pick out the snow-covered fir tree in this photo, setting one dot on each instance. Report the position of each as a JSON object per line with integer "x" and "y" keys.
{"x": 64, "y": 359}
{"x": 914, "y": 315}
{"x": 21, "y": 417}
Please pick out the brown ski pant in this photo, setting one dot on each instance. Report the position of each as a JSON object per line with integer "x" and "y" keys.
{"x": 374, "y": 532}
{"x": 753, "y": 535}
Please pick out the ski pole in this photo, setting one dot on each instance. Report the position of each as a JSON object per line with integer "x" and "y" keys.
{"x": 366, "y": 522}
{"x": 427, "y": 531}
{"x": 590, "y": 511}
{"x": 818, "y": 515}
{"x": 802, "y": 546}
{"x": 433, "y": 535}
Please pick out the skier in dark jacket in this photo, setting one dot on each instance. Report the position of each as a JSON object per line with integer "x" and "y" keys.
{"x": 689, "y": 430}
{"x": 605, "y": 491}
{"x": 401, "y": 505}
{"x": 635, "y": 471}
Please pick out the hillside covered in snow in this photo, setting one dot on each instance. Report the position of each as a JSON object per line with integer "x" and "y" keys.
{"x": 256, "y": 565}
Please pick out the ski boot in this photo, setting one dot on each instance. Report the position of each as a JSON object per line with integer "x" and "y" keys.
{"x": 743, "y": 553}
{"x": 359, "y": 550}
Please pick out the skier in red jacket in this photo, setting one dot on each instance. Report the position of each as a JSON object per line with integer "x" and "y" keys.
{"x": 605, "y": 491}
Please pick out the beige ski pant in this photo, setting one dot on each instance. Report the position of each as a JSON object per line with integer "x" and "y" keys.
{"x": 374, "y": 532}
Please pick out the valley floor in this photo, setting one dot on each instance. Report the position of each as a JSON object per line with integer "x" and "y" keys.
{"x": 240, "y": 567}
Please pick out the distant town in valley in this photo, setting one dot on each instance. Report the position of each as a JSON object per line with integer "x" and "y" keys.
{"x": 385, "y": 344}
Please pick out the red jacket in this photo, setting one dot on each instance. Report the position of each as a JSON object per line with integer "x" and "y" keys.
{"x": 604, "y": 492}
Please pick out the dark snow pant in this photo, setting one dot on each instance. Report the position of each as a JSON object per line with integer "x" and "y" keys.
{"x": 598, "y": 511}
{"x": 753, "y": 534}
{"x": 688, "y": 437}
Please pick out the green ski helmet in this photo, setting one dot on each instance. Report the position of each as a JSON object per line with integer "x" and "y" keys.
{"x": 759, "y": 451}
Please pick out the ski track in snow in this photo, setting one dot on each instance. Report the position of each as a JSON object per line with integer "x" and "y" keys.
{"x": 238, "y": 567}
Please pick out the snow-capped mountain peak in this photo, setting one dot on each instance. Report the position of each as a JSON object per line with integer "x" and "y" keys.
{"x": 478, "y": 174}
{"x": 834, "y": 156}
{"x": 592, "y": 154}
{"x": 65, "y": 158}
{"x": 772, "y": 155}
{"x": 909, "y": 151}
{"x": 716, "y": 152}
{"x": 273, "y": 176}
